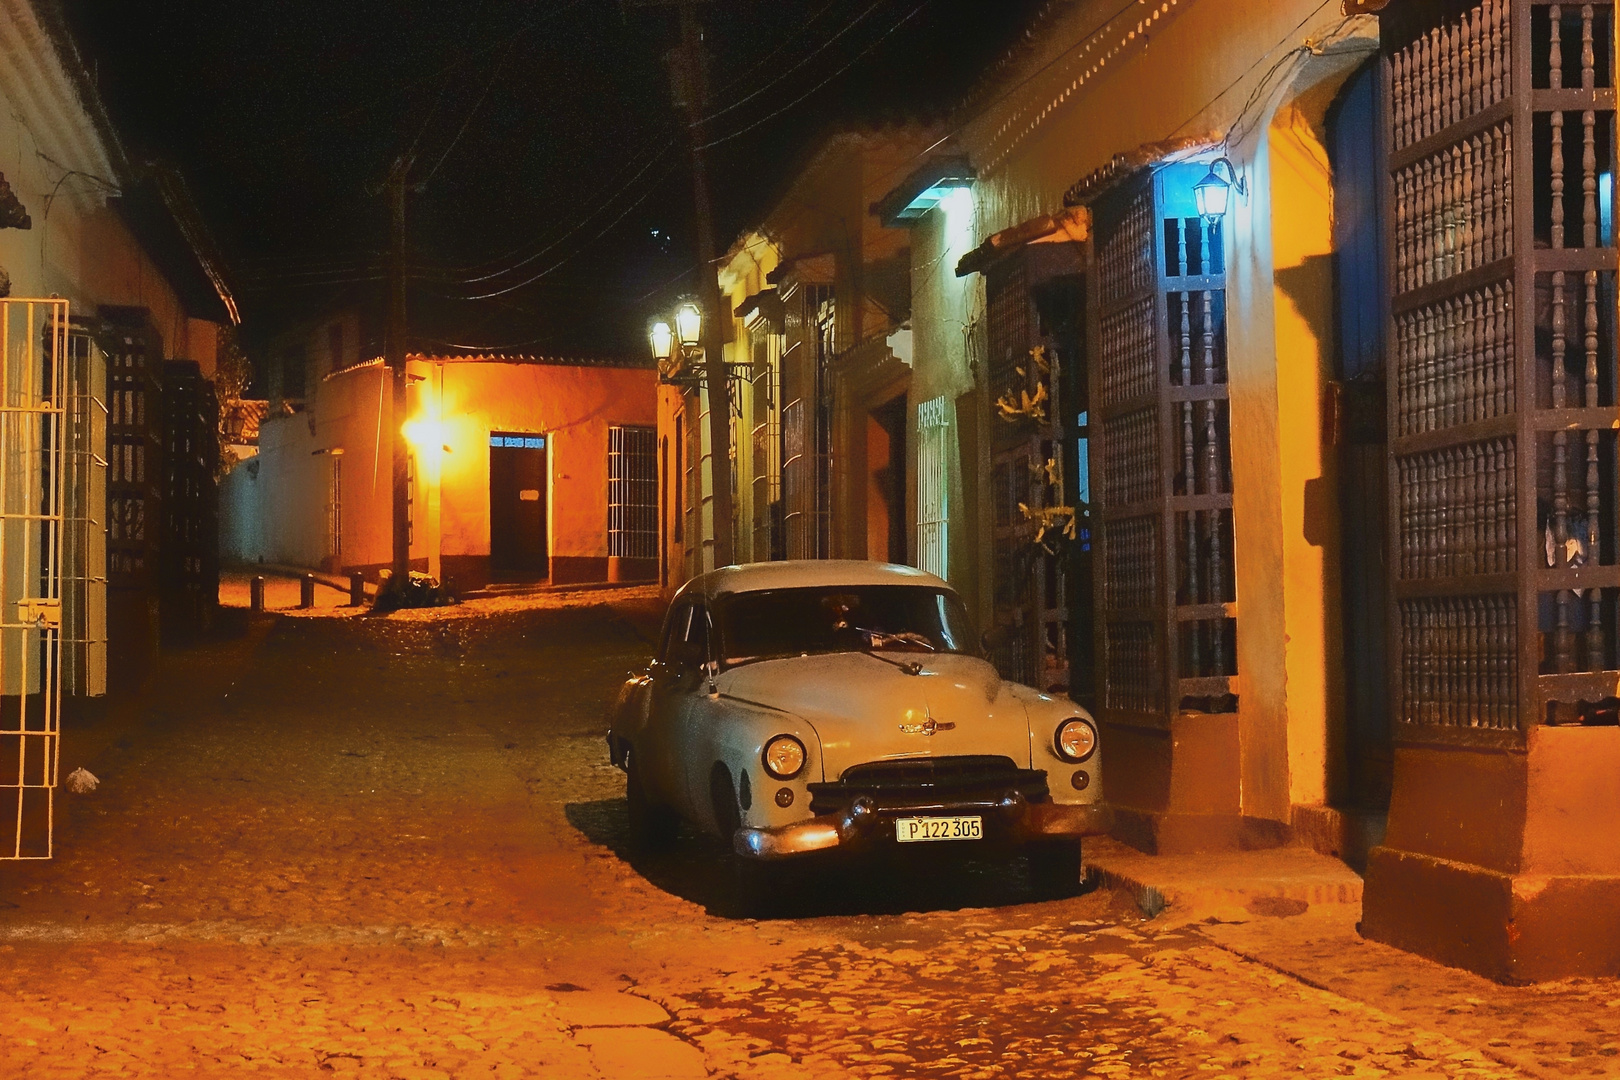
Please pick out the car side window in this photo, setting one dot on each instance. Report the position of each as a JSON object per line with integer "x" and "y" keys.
{"x": 697, "y": 635}
{"x": 669, "y": 650}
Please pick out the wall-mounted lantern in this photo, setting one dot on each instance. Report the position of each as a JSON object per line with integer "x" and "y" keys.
{"x": 689, "y": 325}
{"x": 1214, "y": 194}
{"x": 663, "y": 342}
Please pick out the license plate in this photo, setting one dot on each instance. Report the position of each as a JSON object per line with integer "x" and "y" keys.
{"x": 910, "y": 830}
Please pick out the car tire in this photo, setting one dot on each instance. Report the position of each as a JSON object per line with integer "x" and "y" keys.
{"x": 754, "y": 887}
{"x": 651, "y": 825}
{"x": 1054, "y": 867}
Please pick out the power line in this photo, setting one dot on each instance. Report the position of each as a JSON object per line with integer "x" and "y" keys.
{"x": 853, "y": 61}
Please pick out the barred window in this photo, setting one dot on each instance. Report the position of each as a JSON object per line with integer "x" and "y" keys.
{"x": 932, "y": 512}
{"x": 632, "y": 492}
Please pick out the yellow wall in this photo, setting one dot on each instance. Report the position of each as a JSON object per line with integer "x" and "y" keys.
{"x": 1302, "y": 244}
{"x": 1097, "y": 83}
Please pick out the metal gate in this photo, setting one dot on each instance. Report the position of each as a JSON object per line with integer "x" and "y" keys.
{"x": 36, "y": 389}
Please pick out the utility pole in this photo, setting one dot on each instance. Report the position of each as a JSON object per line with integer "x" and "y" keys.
{"x": 394, "y": 352}
{"x": 691, "y": 85}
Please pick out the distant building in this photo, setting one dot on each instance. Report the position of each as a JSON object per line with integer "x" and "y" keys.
{"x": 818, "y": 296}
{"x": 524, "y": 468}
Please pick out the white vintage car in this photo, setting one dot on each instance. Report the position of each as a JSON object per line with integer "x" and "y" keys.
{"x": 802, "y": 707}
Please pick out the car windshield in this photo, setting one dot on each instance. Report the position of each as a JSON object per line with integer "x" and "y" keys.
{"x": 840, "y": 618}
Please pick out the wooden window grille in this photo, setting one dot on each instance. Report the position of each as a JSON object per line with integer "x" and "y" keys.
{"x": 796, "y": 481}
{"x": 933, "y": 512}
{"x": 134, "y": 450}
{"x": 1502, "y": 399}
{"x": 766, "y": 444}
{"x": 632, "y": 492}
{"x": 1160, "y": 449}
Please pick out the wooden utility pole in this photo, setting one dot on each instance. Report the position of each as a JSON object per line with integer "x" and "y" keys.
{"x": 691, "y": 84}
{"x": 394, "y": 352}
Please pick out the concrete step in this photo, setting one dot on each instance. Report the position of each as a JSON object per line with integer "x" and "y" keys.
{"x": 1224, "y": 884}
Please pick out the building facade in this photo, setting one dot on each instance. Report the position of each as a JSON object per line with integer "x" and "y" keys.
{"x": 1259, "y": 389}
{"x": 817, "y": 300}
{"x": 522, "y": 469}
{"x": 1335, "y": 505}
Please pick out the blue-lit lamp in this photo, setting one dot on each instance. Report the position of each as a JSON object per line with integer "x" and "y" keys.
{"x": 1213, "y": 194}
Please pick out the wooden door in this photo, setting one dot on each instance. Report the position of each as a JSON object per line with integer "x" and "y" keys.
{"x": 517, "y": 506}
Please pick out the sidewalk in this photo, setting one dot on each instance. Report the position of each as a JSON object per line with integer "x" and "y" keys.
{"x": 1298, "y": 913}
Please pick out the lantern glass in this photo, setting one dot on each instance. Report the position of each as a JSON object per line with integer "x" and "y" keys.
{"x": 663, "y": 340}
{"x": 1212, "y": 195}
{"x": 689, "y": 324}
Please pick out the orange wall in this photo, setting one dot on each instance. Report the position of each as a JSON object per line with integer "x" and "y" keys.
{"x": 574, "y": 406}
{"x": 279, "y": 510}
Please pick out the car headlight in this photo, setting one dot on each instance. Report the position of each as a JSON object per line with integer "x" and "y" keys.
{"x": 1076, "y": 740}
{"x": 784, "y": 757}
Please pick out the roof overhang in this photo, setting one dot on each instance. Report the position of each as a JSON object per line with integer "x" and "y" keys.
{"x": 1122, "y": 167}
{"x": 923, "y": 190}
{"x": 1071, "y": 225}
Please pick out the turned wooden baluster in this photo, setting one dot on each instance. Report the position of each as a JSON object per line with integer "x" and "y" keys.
{"x": 1507, "y": 351}
{"x": 1473, "y": 204}
{"x": 1470, "y": 62}
{"x": 1504, "y": 216}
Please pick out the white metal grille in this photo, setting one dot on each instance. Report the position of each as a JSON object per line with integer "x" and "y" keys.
{"x": 633, "y": 492}
{"x": 34, "y": 382}
{"x": 932, "y": 484}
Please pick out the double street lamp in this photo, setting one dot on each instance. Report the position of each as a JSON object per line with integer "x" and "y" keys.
{"x": 675, "y": 348}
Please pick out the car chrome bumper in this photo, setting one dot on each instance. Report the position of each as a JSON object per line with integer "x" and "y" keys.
{"x": 1025, "y": 821}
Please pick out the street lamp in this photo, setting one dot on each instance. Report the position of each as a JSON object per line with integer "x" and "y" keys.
{"x": 663, "y": 342}
{"x": 1213, "y": 194}
{"x": 689, "y": 324}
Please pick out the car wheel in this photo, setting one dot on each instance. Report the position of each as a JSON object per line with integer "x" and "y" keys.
{"x": 651, "y": 825}
{"x": 754, "y": 887}
{"x": 1054, "y": 868}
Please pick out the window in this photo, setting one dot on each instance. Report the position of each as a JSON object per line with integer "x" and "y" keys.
{"x": 632, "y": 493}
{"x": 841, "y": 618}
{"x": 1164, "y": 490}
{"x": 334, "y": 519}
{"x": 680, "y": 479}
{"x": 932, "y": 483}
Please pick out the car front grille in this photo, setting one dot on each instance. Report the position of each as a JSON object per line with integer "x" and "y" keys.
{"x": 909, "y": 783}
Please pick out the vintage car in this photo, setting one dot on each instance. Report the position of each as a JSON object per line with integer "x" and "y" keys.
{"x": 807, "y": 707}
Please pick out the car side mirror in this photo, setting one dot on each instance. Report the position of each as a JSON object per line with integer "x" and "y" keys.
{"x": 996, "y": 637}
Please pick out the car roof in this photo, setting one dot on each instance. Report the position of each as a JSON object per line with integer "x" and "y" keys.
{"x": 807, "y": 573}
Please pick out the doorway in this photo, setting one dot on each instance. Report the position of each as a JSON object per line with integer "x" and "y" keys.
{"x": 1356, "y": 154}
{"x": 517, "y": 506}
{"x": 886, "y": 482}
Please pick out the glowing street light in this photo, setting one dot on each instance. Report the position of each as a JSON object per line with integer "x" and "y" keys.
{"x": 663, "y": 341}
{"x": 689, "y": 324}
{"x": 425, "y": 432}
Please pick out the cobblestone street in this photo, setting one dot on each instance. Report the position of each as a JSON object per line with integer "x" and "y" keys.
{"x": 394, "y": 847}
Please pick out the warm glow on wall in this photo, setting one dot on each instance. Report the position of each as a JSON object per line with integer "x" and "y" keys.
{"x": 424, "y": 432}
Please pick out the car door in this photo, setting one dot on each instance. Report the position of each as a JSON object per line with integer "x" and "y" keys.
{"x": 677, "y": 678}
{"x": 696, "y": 723}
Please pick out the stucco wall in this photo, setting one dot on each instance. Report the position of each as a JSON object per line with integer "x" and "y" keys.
{"x": 1095, "y": 86}
{"x": 281, "y": 513}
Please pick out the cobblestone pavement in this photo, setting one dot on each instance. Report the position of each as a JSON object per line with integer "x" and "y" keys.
{"x": 393, "y": 847}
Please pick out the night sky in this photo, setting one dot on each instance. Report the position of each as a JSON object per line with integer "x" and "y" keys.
{"x": 545, "y": 140}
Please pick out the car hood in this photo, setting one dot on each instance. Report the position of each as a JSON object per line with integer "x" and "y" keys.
{"x": 864, "y": 709}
